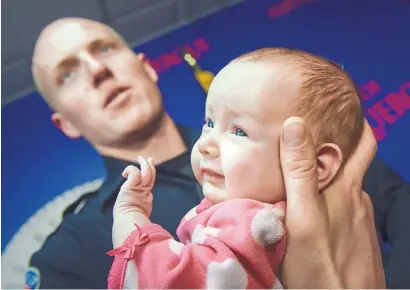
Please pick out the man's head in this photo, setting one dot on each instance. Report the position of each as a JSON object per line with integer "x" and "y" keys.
{"x": 248, "y": 102}
{"x": 99, "y": 88}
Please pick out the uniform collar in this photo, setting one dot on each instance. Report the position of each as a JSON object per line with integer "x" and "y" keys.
{"x": 115, "y": 167}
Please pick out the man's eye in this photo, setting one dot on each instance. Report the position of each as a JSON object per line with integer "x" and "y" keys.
{"x": 240, "y": 132}
{"x": 210, "y": 123}
{"x": 66, "y": 76}
{"x": 105, "y": 48}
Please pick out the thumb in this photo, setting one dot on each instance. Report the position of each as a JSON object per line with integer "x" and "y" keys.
{"x": 299, "y": 167}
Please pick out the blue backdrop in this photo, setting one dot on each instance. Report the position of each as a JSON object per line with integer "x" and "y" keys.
{"x": 370, "y": 38}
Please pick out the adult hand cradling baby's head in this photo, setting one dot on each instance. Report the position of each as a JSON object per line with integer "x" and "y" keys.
{"x": 331, "y": 240}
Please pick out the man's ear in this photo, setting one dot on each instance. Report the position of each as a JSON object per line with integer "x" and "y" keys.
{"x": 65, "y": 126}
{"x": 329, "y": 160}
{"x": 152, "y": 74}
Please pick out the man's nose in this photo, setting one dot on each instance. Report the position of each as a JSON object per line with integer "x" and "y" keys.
{"x": 209, "y": 145}
{"x": 97, "y": 70}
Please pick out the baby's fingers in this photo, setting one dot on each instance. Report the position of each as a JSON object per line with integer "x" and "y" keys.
{"x": 146, "y": 172}
{"x": 153, "y": 169}
{"x": 128, "y": 170}
{"x": 133, "y": 176}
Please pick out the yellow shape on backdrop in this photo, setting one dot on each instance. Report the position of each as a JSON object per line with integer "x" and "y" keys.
{"x": 203, "y": 77}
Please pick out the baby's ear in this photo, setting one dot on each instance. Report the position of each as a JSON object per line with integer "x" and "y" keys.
{"x": 329, "y": 160}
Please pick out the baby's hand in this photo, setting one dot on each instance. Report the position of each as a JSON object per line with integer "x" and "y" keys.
{"x": 135, "y": 194}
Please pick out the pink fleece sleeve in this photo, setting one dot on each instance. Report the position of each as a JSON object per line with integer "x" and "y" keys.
{"x": 235, "y": 244}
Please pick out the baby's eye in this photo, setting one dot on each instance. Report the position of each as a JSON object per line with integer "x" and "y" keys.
{"x": 240, "y": 132}
{"x": 210, "y": 123}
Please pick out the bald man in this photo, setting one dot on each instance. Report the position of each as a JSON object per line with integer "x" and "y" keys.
{"x": 101, "y": 90}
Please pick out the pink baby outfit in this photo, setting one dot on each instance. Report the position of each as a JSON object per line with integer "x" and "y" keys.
{"x": 238, "y": 243}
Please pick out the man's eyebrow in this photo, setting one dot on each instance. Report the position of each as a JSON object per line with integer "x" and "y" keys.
{"x": 92, "y": 46}
{"x": 95, "y": 44}
{"x": 66, "y": 62}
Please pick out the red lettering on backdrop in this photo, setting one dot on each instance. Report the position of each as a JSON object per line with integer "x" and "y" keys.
{"x": 191, "y": 51}
{"x": 369, "y": 90}
{"x": 399, "y": 102}
{"x": 385, "y": 112}
{"x": 156, "y": 65}
{"x": 286, "y": 6}
{"x": 170, "y": 59}
{"x": 404, "y": 90}
{"x": 388, "y": 110}
{"x": 198, "y": 47}
{"x": 201, "y": 45}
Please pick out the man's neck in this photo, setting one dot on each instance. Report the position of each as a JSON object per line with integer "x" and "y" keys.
{"x": 164, "y": 144}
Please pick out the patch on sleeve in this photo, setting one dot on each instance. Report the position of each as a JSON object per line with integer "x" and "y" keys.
{"x": 32, "y": 278}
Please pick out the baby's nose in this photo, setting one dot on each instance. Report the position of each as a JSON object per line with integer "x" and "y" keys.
{"x": 208, "y": 146}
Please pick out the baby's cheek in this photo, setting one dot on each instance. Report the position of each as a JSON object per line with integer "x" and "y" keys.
{"x": 252, "y": 173}
{"x": 195, "y": 158}
{"x": 235, "y": 166}
{"x": 230, "y": 154}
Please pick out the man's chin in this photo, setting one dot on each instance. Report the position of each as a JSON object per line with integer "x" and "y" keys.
{"x": 141, "y": 128}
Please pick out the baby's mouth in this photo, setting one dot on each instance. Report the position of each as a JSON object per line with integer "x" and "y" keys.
{"x": 212, "y": 176}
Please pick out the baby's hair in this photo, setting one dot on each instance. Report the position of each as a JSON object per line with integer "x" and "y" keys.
{"x": 329, "y": 99}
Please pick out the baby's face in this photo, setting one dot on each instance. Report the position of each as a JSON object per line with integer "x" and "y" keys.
{"x": 237, "y": 155}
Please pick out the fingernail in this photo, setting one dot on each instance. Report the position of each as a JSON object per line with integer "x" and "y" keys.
{"x": 150, "y": 159}
{"x": 294, "y": 133}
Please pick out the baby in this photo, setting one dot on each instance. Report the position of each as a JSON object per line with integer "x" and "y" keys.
{"x": 235, "y": 238}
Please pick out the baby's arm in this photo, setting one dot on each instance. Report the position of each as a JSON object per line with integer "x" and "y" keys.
{"x": 134, "y": 201}
{"x": 240, "y": 246}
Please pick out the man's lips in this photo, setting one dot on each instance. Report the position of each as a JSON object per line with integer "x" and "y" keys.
{"x": 113, "y": 94}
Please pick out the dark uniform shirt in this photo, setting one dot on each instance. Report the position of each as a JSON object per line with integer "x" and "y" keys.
{"x": 74, "y": 256}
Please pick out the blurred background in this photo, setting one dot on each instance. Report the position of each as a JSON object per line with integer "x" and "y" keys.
{"x": 43, "y": 171}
